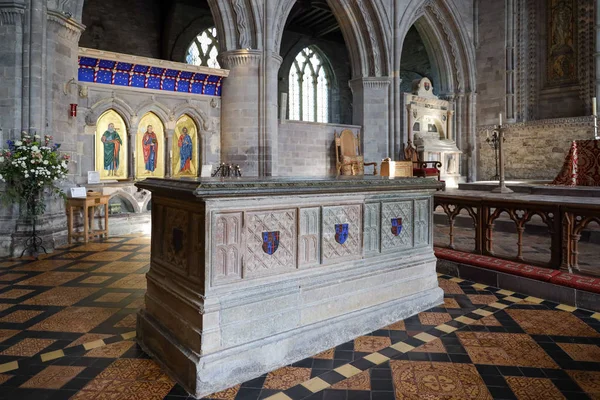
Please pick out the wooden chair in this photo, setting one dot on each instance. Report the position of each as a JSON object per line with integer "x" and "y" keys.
{"x": 349, "y": 160}
{"x": 421, "y": 168}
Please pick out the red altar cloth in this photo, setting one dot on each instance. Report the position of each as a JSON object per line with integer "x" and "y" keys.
{"x": 582, "y": 165}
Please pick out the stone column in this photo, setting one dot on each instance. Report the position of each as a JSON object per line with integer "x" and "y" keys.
{"x": 11, "y": 68}
{"x": 268, "y": 121}
{"x": 510, "y": 61}
{"x": 409, "y": 125}
{"x": 597, "y": 48}
{"x": 370, "y": 98}
{"x": 449, "y": 134}
{"x": 240, "y": 109}
{"x": 131, "y": 153}
{"x": 169, "y": 133}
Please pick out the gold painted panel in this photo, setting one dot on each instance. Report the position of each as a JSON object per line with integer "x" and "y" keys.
{"x": 184, "y": 161}
{"x": 150, "y": 148}
{"x": 562, "y": 42}
{"x": 111, "y": 146}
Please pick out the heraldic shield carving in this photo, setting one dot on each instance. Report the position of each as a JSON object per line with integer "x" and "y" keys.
{"x": 396, "y": 226}
{"x": 341, "y": 233}
{"x": 270, "y": 242}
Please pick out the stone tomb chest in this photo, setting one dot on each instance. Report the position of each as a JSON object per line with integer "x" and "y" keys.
{"x": 250, "y": 275}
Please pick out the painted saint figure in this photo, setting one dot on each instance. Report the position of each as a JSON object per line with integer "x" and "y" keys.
{"x": 112, "y": 147}
{"x": 150, "y": 147}
{"x": 185, "y": 151}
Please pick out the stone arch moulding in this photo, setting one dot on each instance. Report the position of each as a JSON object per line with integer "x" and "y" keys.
{"x": 199, "y": 116}
{"x": 440, "y": 24}
{"x": 236, "y": 23}
{"x": 363, "y": 30}
{"x": 154, "y": 107}
{"x": 110, "y": 103}
{"x": 127, "y": 196}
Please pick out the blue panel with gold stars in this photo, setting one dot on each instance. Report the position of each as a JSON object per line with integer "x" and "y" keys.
{"x": 118, "y": 73}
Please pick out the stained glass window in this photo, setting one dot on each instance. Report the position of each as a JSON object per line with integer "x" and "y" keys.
{"x": 309, "y": 86}
{"x": 204, "y": 49}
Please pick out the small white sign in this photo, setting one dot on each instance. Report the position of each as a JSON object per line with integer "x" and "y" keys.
{"x": 78, "y": 193}
{"x": 206, "y": 171}
{"x": 93, "y": 177}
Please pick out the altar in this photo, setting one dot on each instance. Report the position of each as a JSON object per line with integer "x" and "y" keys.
{"x": 248, "y": 275}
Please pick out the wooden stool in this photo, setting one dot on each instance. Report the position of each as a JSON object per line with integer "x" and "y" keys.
{"x": 88, "y": 206}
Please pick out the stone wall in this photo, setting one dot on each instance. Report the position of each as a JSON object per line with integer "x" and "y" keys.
{"x": 307, "y": 148}
{"x": 533, "y": 150}
{"x": 130, "y": 27}
{"x": 491, "y": 61}
{"x": 513, "y": 62}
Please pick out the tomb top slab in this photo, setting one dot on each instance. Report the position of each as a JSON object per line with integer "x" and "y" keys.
{"x": 229, "y": 187}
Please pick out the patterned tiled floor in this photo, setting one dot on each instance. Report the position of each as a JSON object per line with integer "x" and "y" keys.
{"x": 67, "y": 331}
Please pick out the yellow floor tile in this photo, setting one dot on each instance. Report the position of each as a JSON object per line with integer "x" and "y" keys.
{"x": 566, "y": 308}
{"x": 376, "y": 358}
{"x": 402, "y": 347}
{"x": 505, "y": 292}
{"x": 316, "y": 385}
{"x": 465, "y": 320}
{"x": 347, "y": 370}
{"x": 425, "y": 337}
{"x": 446, "y": 328}
{"x": 483, "y": 313}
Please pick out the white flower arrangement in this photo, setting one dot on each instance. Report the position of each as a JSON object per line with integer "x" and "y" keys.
{"x": 28, "y": 166}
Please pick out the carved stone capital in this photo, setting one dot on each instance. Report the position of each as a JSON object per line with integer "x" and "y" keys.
{"x": 68, "y": 28}
{"x": 11, "y": 13}
{"x": 238, "y": 58}
{"x": 369, "y": 83}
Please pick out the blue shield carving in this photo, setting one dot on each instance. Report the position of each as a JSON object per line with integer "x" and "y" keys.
{"x": 396, "y": 226}
{"x": 270, "y": 242}
{"x": 341, "y": 233}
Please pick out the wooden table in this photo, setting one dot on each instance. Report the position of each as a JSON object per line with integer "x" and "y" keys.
{"x": 88, "y": 206}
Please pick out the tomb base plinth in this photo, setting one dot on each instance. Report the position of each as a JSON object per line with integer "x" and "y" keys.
{"x": 250, "y": 275}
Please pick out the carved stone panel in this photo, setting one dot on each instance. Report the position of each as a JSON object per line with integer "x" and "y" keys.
{"x": 270, "y": 242}
{"x": 309, "y": 245}
{"x": 227, "y": 242}
{"x": 176, "y": 246}
{"x": 398, "y": 238}
{"x": 422, "y": 216}
{"x": 371, "y": 230}
{"x": 348, "y": 242}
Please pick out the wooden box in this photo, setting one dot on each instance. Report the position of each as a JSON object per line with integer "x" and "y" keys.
{"x": 395, "y": 169}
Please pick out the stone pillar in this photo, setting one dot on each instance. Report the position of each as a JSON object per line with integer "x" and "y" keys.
{"x": 597, "y": 48}
{"x": 11, "y": 68}
{"x": 510, "y": 62}
{"x": 370, "y": 101}
{"x": 240, "y": 109}
{"x": 469, "y": 143}
{"x": 268, "y": 121}
{"x": 409, "y": 125}
{"x": 169, "y": 133}
{"x": 449, "y": 134}
{"x": 131, "y": 153}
